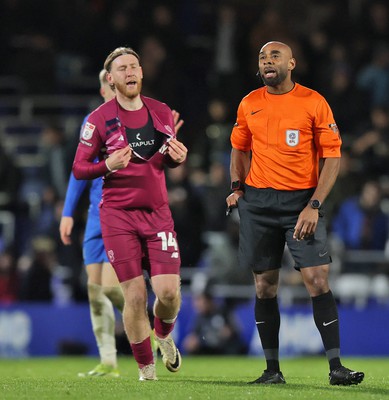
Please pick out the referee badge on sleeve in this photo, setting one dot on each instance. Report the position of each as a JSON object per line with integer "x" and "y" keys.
{"x": 292, "y": 137}
{"x": 334, "y": 127}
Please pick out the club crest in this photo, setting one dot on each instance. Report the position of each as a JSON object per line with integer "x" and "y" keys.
{"x": 111, "y": 256}
{"x": 292, "y": 137}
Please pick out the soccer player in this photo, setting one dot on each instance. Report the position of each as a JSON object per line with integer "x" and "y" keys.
{"x": 103, "y": 287}
{"x": 138, "y": 134}
{"x": 282, "y": 133}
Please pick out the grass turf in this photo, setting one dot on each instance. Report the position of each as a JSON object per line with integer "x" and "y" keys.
{"x": 200, "y": 378}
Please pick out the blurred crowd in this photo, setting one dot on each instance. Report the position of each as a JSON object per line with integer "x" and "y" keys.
{"x": 200, "y": 57}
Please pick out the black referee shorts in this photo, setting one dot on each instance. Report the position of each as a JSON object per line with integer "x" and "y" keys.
{"x": 267, "y": 221}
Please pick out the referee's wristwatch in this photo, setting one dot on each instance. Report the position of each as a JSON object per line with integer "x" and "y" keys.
{"x": 237, "y": 185}
{"x": 315, "y": 204}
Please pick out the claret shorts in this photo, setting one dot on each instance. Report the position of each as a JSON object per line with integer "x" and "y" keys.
{"x": 140, "y": 239}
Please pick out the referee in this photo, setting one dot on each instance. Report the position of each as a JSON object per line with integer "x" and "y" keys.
{"x": 284, "y": 161}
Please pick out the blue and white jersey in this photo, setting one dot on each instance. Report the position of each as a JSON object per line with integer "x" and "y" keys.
{"x": 93, "y": 248}
{"x": 76, "y": 189}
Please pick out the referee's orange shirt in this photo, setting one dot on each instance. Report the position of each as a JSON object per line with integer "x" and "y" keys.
{"x": 287, "y": 135}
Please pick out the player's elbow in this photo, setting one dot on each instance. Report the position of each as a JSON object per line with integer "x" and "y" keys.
{"x": 77, "y": 172}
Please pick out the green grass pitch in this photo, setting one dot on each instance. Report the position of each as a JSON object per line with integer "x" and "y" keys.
{"x": 200, "y": 378}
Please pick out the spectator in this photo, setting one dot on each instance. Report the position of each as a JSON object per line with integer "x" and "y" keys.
{"x": 373, "y": 77}
{"x": 164, "y": 25}
{"x": 371, "y": 147}
{"x": 9, "y": 278}
{"x": 214, "y": 330}
{"x": 347, "y": 184}
{"x": 58, "y": 160}
{"x": 214, "y": 145}
{"x": 46, "y": 218}
{"x": 37, "y": 273}
{"x": 10, "y": 180}
{"x": 161, "y": 70}
{"x": 376, "y": 21}
{"x": 220, "y": 259}
{"x": 360, "y": 224}
{"x": 225, "y": 77}
{"x": 213, "y": 197}
{"x": 339, "y": 90}
{"x": 188, "y": 214}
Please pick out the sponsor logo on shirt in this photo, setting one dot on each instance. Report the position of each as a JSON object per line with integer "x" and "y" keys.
{"x": 334, "y": 128}
{"x": 256, "y": 111}
{"x": 87, "y": 133}
{"x": 292, "y": 137}
{"x": 142, "y": 143}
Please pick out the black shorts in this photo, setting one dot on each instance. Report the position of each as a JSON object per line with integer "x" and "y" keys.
{"x": 267, "y": 221}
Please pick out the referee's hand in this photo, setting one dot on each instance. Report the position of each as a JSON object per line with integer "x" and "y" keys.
{"x": 306, "y": 223}
{"x": 232, "y": 201}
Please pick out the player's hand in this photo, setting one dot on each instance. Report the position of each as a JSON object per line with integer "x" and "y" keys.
{"x": 306, "y": 223}
{"x": 119, "y": 159}
{"x": 177, "y": 151}
{"x": 65, "y": 230}
{"x": 232, "y": 200}
{"x": 177, "y": 121}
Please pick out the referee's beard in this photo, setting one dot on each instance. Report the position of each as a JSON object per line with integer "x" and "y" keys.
{"x": 274, "y": 82}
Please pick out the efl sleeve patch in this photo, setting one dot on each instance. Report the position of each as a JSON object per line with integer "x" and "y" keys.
{"x": 334, "y": 128}
{"x": 88, "y": 130}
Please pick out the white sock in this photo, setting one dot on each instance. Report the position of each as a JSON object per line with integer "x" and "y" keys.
{"x": 103, "y": 323}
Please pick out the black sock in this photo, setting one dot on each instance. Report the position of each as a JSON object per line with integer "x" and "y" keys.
{"x": 267, "y": 317}
{"x": 325, "y": 314}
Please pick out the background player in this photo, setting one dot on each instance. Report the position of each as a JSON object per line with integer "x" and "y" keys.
{"x": 103, "y": 287}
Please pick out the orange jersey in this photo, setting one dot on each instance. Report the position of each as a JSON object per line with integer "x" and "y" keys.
{"x": 287, "y": 135}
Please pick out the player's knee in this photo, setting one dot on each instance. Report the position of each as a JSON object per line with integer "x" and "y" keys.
{"x": 265, "y": 290}
{"x": 136, "y": 301}
{"x": 317, "y": 285}
{"x": 115, "y": 295}
{"x": 111, "y": 292}
{"x": 95, "y": 293}
{"x": 169, "y": 295}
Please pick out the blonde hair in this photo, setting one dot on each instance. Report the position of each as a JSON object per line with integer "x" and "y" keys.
{"x": 120, "y": 51}
{"x": 103, "y": 77}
